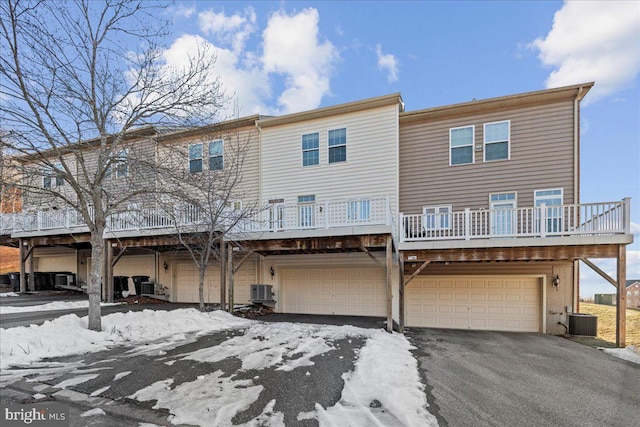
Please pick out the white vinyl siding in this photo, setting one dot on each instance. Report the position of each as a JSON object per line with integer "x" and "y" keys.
{"x": 371, "y": 169}
{"x": 497, "y": 140}
{"x": 461, "y": 145}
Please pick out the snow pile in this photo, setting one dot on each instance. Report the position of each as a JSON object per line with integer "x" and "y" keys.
{"x": 8, "y": 294}
{"x": 629, "y": 353}
{"x": 57, "y": 305}
{"x": 69, "y": 335}
{"x": 383, "y": 390}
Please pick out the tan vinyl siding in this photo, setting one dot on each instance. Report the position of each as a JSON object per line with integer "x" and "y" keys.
{"x": 541, "y": 157}
{"x": 371, "y": 168}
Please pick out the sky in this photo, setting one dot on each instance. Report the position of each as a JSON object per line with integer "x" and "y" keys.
{"x": 283, "y": 57}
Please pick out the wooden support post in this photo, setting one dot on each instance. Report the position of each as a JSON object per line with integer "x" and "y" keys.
{"x": 23, "y": 282}
{"x": 108, "y": 271}
{"x": 230, "y": 278}
{"x": 366, "y": 251}
{"x": 389, "y": 284}
{"x": 239, "y": 264}
{"x": 418, "y": 271}
{"x": 621, "y": 298}
{"x": 117, "y": 257}
{"x": 31, "y": 282}
{"x": 401, "y": 292}
{"x": 223, "y": 274}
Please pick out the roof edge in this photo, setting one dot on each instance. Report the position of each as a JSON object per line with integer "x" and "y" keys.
{"x": 363, "y": 104}
{"x": 577, "y": 92}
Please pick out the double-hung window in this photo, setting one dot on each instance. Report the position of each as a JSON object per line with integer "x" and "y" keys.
{"x": 338, "y": 145}
{"x": 216, "y": 155}
{"x": 195, "y": 158}
{"x": 436, "y": 217}
{"x": 52, "y": 176}
{"x": 461, "y": 145}
{"x": 310, "y": 149}
{"x": 122, "y": 164}
{"x": 496, "y": 141}
{"x": 306, "y": 211}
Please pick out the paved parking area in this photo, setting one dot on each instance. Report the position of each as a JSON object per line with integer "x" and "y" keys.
{"x": 478, "y": 378}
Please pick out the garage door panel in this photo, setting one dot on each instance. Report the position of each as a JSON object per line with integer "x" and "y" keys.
{"x": 343, "y": 291}
{"x": 187, "y": 278}
{"x": 486, "y": 303}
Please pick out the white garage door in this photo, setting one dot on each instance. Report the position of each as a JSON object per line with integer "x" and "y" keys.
{"x": 343, "y": 291}
{"x": 483, "y": 303}
{"x": 186, "y": 276}
{"x": 57, "y": 263}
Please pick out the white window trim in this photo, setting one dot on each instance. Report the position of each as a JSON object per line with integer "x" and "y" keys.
{"x": 536, "y": 197}
{"x": 319, "y": 149}
{"x": 484, "y": 141}
{"x": 51, "y": 173}
{"x": 473, "y": 144}
{"x": 514, "y": 200}
{"x": 115, "y": 172}
{"x": 438, "y": 224}
{"x": 345, "y": 145}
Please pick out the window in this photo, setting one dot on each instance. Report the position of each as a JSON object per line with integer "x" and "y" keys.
{"x": 461, "y": 145}
{"x": 436, "y": 217}
{"x": 306, "y": 211}
{"x": 310, "y": 149}
{"x": 216, "y": 155}
{"x": 359, "y": 210}
{"x": 552, "y": 199}
{"x": 503, "y": 212}
{"x": 338, "y": 145}
{"x": 195, "y": 158}
{"x": 53, "y": 176}
{"x": 496, "y": 141}
{"x": 121, "y": 164}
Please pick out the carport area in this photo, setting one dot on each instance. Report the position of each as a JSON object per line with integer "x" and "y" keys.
{"x": 523, "y": 379}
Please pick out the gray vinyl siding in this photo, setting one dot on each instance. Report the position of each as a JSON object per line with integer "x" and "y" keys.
{"x": 371, "y": 168}
{"x": 541, "y": 157}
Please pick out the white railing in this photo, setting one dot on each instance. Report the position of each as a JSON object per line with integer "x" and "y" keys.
{"x": 329, "y": 214}
{"x": 541, "y": 221}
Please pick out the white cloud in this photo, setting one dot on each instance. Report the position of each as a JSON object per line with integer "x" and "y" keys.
{"x": 245, "y": 82}
{"x": 233, "y": 30}
{"x": 387, "y": 62}
{"x": 635, "y": 228}
{"x": 593, "y": 41}
{"x": 181, "y": 10}
{"x": 292, "y": 47}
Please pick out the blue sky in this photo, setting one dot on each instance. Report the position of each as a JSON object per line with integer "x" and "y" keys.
{"x": 281, "y": 57}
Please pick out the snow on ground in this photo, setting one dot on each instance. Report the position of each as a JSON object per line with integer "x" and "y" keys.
{"x": 8, "y": 294}
{"x": 629, "y": 353}
{"x": 69, "y": 335}
{"x": 383, "y": 389}
{"x": 92, "y": 412}
{"x": 396, "y": 396}
{"x": 57, "y": 305}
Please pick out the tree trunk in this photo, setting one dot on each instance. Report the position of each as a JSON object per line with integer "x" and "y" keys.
{"x": 203, "y": 269}
{"x": 95, "y": 280}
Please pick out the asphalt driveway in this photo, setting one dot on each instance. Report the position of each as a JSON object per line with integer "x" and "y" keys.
{"x": 477, "y": 378}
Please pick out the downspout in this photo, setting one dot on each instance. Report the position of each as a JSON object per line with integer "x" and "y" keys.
{"x": 576, "y": 188}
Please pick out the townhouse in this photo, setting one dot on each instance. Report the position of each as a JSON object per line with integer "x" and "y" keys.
{"x": 462, "y": 216}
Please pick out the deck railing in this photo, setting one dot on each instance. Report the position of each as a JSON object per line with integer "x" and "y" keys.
{"x": 541, "y": 221}
{"x": 357, "y": 211}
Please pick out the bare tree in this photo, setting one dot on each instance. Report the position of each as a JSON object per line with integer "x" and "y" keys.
{"x": 208, "y": 202}
{"x": 82, "y": 82}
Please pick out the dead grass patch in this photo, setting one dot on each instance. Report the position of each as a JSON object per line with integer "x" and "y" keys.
{"x": 607, "y": 323}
